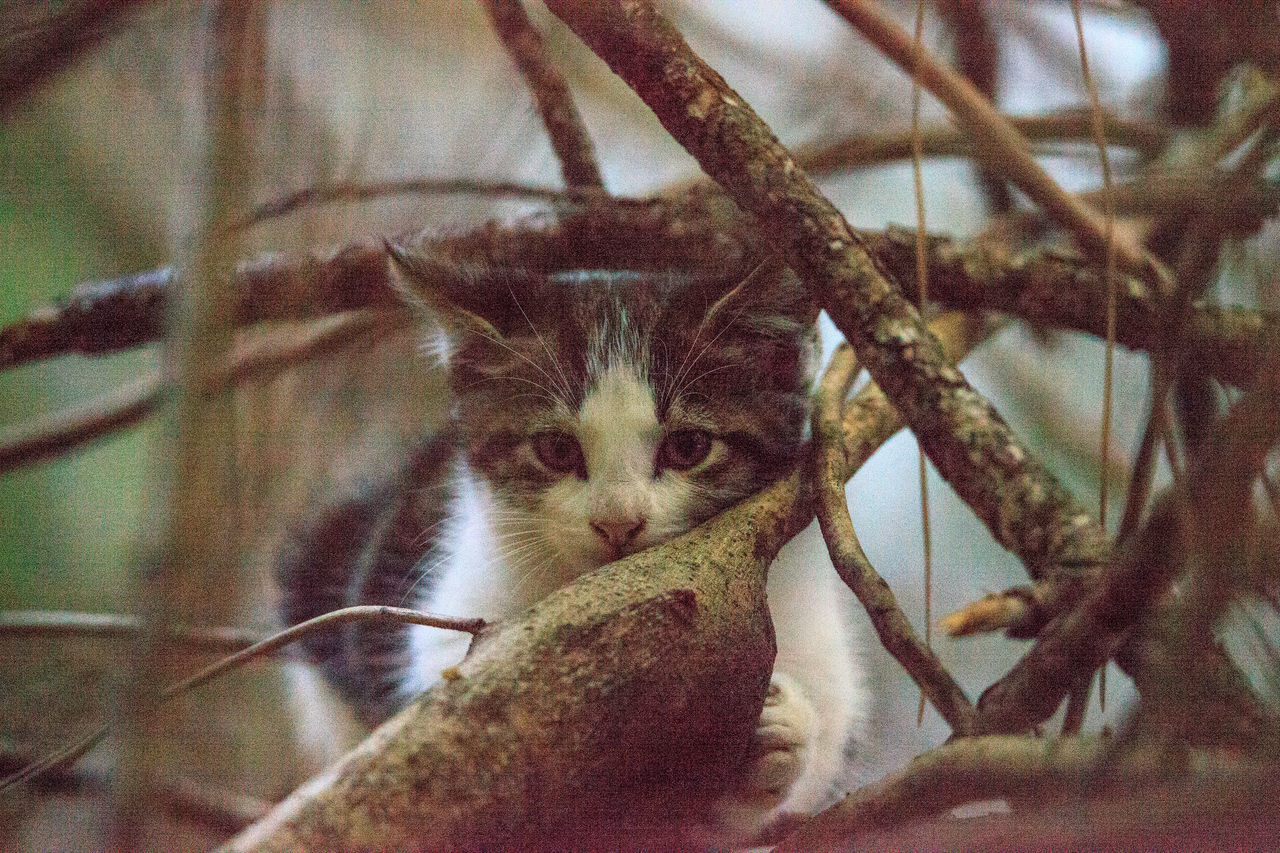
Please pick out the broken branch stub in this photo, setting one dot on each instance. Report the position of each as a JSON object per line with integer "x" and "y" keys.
{"x": 625, "y": 699}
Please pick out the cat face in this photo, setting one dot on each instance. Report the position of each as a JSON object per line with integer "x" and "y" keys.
{"x": 610, "y": 411}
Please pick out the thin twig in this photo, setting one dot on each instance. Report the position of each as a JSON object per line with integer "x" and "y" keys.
{"x": 67, "y": 755}
{"x": 550, "y": 91}
{"x": 922, "y": 303}
{"x": 1003, "y": 148}
{"x": 944, "y": 140}
{"x": 262, "y": 357}
{"x": 1076, "y": 705}
{"x": 891, "y": 624}
{"x": 354, "y": 191}
{"x": 184, "y": 798}
{"x": 61, "y": 623}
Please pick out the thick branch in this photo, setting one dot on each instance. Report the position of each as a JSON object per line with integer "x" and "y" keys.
{"x": 627, "y": 696}
{"x": 1062, "y": 290}
{"x": 1035, "y": 772}
{"x": 699, "y": 231}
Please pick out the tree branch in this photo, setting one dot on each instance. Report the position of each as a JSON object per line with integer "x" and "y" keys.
{"x": 57, "y": 623}
{"x": 892, "y": 626}
{"x": 550, "y": 92}
{"x": 265, "y": 355}
{"x": 1032, "y": 770}
{"x": 1083, "y": 638}
{"x": 1002, "y": 148}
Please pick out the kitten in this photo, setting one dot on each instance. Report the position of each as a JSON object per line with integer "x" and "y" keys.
{"x": 598, "y": 413}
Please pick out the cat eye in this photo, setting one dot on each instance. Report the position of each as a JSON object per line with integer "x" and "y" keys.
{"x": 560, "y": 452}
{"x": 684, "y": 449}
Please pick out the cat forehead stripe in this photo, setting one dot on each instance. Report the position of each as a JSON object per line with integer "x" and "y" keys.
{"x": 618, "y": 424}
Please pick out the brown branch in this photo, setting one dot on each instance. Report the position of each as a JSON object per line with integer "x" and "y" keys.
{"x": 964, "y": 771}
{"x": 592, "y": 231}
{"x": 1038, "y": 770}
{"x": 699, "y": 231}
{"x": 1002, "y": 148}
{"x": 351, "y": 191}
{"x": 262, "y": 357}
{"x": 184, "y": 798}
{"x": 1022, "y": 504}
{"x": 64, "y": 757}
{"x": 944, "y": 140}
{"x": 550, "y": 91}
{"x": 1061, "y": 290}
{"x": 892, "y": 626}
{"x": 38, "y": 40}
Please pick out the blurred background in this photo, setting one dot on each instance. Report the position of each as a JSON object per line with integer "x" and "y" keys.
{"x": 98, "y": 178}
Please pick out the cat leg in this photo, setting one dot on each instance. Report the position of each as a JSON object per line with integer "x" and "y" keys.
{"x": 817, "y": 702}
{"x": 776, "y": 759}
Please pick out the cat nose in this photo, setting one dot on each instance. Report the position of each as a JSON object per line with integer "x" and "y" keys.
{"x": 618, "y": 533}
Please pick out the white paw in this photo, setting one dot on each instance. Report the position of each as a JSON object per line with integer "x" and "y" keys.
{"x": 778, "y": 756}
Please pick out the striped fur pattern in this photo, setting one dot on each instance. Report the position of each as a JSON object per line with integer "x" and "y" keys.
{"x": 365, "y": 549}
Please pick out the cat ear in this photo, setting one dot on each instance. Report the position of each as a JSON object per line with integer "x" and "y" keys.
{"x": 770, "y": 299}
{"x": 440, "y": 287}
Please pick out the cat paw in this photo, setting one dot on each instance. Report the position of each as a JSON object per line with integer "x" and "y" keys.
{"x": 778, "y": 755}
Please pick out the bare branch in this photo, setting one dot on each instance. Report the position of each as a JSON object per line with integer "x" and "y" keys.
{"x": 1060, "y": 290}
{"x": 59, "y": 623}
{"x": 183, "y": 797}
{"x": 262, "y": 357}
{"x": 555, "y": 102}
{"x": 1084, "y": 638}
{"x": 1002, "y": 148}
{"x": 1034, "y": 769}
{"x": 892, "y": 626}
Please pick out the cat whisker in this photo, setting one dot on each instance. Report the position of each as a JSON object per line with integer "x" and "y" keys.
{"x": 563, "y": 399}
{"x": 687, "y": 368}
{"x": 703, "y": 375}
{"x": 555, "y": 362}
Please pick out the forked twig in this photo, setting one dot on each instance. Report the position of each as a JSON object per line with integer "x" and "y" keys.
{"x": 891, "y": 624}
